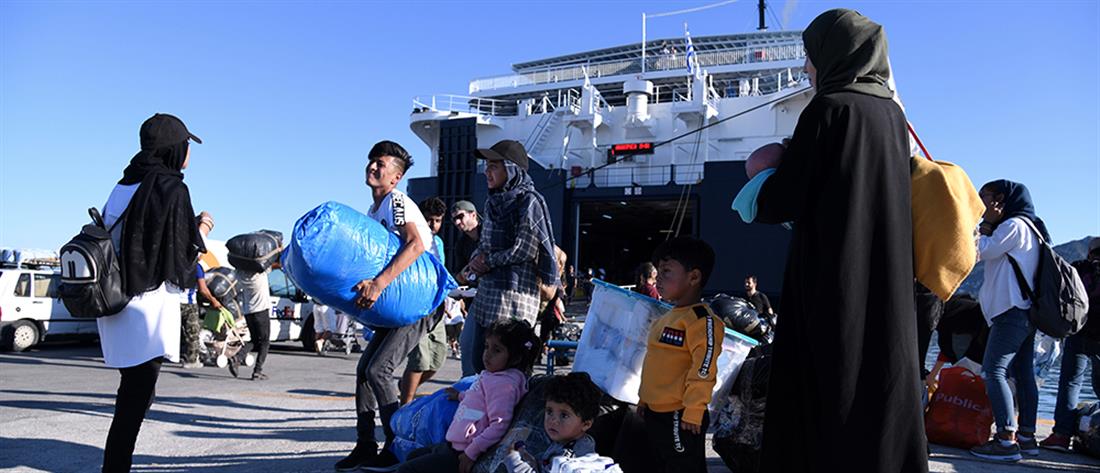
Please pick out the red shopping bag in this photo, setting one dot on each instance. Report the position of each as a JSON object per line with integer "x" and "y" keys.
{"x": 959, "y": 414}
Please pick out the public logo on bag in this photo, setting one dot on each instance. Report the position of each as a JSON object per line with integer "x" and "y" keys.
{"x": 958, "y": 401}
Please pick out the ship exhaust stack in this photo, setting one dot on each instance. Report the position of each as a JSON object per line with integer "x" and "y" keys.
{"x": 637, "y": 93}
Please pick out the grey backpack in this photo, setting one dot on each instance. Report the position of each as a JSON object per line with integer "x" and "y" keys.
{"x": 1059, "y": 303}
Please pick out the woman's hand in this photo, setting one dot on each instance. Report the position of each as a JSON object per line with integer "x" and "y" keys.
{"x": 985, "y": 228}
{"x": 452, "y": 393}
{"x": 994, "y": 212}
{"x": 931, "y": 382}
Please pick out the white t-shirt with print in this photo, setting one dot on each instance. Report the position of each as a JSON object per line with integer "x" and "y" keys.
{"x": 396, "y": 211}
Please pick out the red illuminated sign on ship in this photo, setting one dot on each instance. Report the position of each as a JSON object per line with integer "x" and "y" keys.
{"x": 629, "y": 149}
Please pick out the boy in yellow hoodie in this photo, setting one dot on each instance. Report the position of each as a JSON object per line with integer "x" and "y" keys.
{"x": 681, "y": 358}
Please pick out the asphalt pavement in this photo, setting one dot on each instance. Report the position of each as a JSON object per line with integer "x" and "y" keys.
{"x": 56, "y": 403}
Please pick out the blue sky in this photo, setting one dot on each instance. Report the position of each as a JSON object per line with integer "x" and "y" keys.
{"x": 289, "y": 96}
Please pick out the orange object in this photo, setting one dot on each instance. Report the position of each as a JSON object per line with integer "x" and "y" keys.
{"x": 959, "y": 414}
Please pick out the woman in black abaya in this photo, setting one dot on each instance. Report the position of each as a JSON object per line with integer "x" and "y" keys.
{"x": 846, "y": 392}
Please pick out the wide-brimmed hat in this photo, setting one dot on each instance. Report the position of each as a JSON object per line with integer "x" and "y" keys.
{"x": 505, "y": 150}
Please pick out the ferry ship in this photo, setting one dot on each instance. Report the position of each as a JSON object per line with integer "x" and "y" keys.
{"x": 632, "y": 146}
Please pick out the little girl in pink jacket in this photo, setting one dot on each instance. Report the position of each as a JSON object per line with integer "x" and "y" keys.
{"x": 485, "y": 410}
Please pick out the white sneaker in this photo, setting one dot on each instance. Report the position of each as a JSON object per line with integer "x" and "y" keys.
{"x": 194, "y": 365}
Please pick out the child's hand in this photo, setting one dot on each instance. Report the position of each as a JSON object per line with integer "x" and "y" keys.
{"x": 452, "y": 393}
{"x": 689, "y": 427}
{"x": 465, "y": 464}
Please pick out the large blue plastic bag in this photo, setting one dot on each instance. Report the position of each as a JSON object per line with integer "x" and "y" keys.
{"x": 333, "y": 247}
{"x": 424, "y": 422}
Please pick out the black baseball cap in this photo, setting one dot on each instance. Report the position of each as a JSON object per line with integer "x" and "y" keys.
{"x": 505, "y": 150}
{"x": 163, "y": 130}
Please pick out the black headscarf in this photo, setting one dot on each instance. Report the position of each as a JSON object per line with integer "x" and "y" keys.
{"x": 849, "y": 52}
{"x": 160, "y": 239}
{"x": 1017, "y": 203}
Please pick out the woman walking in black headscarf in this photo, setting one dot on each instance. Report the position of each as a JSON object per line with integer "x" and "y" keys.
{"x": 848, "y": 397}
{"x": 1010, "y": 233}
{"x": 158, "y": 243}
{"x": 515, "y": 257}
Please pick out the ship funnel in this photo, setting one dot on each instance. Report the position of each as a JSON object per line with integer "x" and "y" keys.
{"x": 637, "y": 99}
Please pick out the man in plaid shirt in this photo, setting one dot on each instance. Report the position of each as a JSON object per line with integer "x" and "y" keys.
{"x": 515, "y": 254}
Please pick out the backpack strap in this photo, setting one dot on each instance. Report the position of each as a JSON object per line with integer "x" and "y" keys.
{"x": 1038, "y": 234}
{"x": 1025, "y": 288}
{"x": 120, "y": 217}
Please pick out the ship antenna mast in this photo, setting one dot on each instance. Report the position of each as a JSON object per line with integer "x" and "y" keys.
{"x": 761, "y": 7}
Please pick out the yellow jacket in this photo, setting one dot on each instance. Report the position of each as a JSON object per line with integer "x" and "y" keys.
{"x": 681, "y": 361}
{"x": 946, "y": 210}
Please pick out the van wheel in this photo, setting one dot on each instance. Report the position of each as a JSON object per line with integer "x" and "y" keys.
{"x": 307, "y": 334}
{"x": 21, "y": 335}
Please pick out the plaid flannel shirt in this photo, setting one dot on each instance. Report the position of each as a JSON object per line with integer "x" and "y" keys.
{"x": 510, "y": 289}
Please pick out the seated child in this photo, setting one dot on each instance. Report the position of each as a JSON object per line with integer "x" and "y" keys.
{"x": 681, "y": 359}
{"x": 572, "y": 403}
{"x": 485, "y": 410}
{"x": 765, "y": 157}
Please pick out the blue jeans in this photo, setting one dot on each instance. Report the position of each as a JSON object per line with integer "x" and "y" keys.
{"x": 472, "y": 343}
{"x": 1077, "y": 353}
{"x": 1011, "y": 347}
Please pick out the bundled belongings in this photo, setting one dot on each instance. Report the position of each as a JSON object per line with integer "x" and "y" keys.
{"x": 222, "y": 283}
{"x": 1088, "y": 430}
{"x": 946, "y": 209}
{"x": 424, "y": 422}
{"x": 334, "y": 247}
{"x": 613, "y": 343}
{"x": 591, "y": 463}
{"x": 256, "y": 251}
{"x": 959, "y": 414}
{"x": 740, "y": 315}
{"x": 739, "y": 425}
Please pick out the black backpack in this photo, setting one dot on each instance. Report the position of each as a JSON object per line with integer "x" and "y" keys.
{"x": 91, "y": 276}
{"x": 1059, "y": 303}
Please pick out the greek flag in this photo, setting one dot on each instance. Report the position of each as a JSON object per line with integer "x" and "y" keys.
{"x": 692, "y": 67}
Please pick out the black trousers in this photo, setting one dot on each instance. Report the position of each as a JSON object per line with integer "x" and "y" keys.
{"x": 375, "y": 386}
{"x": 678, "y": 450}
{"x": 135, "y": 396}
{"x": 440, "y": 457}
{"x": 259, "y": 328}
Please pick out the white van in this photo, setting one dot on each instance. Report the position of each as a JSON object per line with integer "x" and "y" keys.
{"x": 291, "y": 311}
{"x": 31, "y": 312}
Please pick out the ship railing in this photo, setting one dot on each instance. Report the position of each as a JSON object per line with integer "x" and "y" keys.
{"x": 599, "y": 102}
{"x": 460, "y": 103}
{"x": 640, "y": 174}
{"x": 660, "y": 62}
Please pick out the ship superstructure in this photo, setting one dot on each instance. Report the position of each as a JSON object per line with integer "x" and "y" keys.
{"x": 615, "y": 148}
